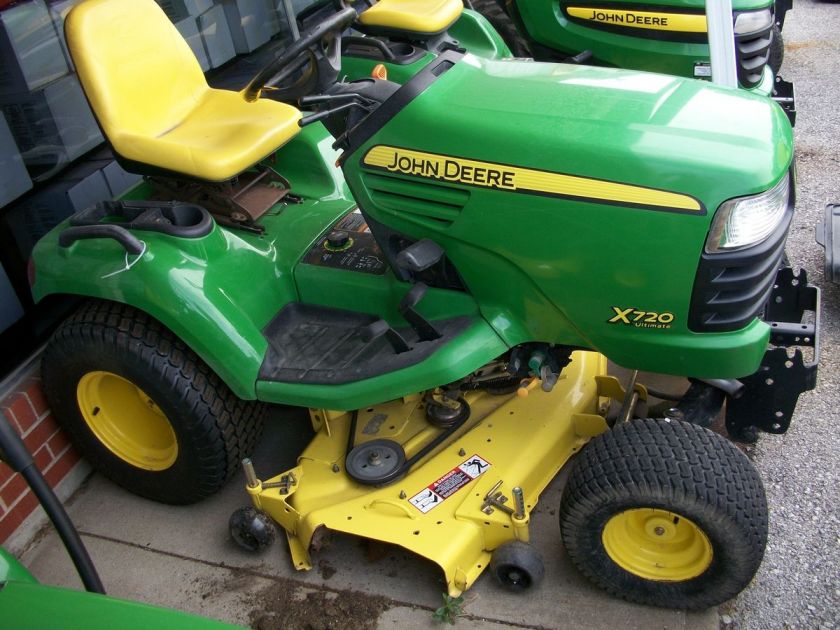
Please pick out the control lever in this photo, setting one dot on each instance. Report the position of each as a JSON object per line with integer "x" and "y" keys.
{"x": 313, "y": 118}
{"x": 380, "y": 327}
{"x": 420, "y": 256}
{"x": 315, "y": 99}
{"x": 545, "y": 366}
{"x": 424, "y": 328}
{"x": 580, "y": 58}
{"x": 348, "y": 100}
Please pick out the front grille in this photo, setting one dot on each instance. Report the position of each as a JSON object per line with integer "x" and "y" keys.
{"x": 732, "y": 288}
{"x": 752, "y": 51}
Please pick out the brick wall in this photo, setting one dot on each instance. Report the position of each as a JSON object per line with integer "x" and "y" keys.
{"x": 24, "y": 406}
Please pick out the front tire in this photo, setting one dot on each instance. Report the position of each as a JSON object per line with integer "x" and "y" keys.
{"x": 143, "y": 409}
{"x": 665, "y": 513}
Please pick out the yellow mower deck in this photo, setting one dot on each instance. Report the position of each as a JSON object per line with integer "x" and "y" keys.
{"x": 508, "y": 441}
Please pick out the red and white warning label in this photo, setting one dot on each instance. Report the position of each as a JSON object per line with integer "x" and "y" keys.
{"x": 436, "y": 493}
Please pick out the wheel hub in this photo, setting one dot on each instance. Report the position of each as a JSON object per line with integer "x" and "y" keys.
{"x": 127, "y": 421}
{"x": 657, "y": 545}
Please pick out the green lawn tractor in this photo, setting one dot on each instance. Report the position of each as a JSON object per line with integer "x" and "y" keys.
{"x": 438, "y": 271}
{"x": 668, "y": 36}
{"x": 665, "y": 37}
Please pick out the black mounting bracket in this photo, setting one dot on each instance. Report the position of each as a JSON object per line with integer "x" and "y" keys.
{"x": 771, "y": 394}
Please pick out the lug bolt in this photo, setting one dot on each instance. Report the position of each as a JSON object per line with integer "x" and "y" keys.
{"x": 658, "y": 530}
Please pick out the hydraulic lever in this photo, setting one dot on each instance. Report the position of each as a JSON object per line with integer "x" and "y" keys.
{"x": 353, "y": 100}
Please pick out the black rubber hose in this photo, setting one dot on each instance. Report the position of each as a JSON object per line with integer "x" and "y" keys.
{"x": 14, "y": 453}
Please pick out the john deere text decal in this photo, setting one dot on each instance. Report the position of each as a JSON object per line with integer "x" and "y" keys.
{"x": 652, "y": 20}
{"x": 524, "y": 180}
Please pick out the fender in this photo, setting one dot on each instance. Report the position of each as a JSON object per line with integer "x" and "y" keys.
{"x": 217, "y": 310}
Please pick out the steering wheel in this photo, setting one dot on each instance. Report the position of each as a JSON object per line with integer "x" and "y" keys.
{"x": 319, "y": 49}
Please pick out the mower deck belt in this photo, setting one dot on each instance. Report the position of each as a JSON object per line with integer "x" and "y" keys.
{"x": 406, "y": 466}
{"x": 322, "y": 345}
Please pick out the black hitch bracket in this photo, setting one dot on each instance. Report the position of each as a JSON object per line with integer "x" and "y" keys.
{"x": 770, "y": 395}
{"x": 785, "y": 96}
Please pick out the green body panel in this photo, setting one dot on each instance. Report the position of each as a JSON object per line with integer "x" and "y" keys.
{"x": 545, "y": 23}
{"x": 24, "y": 603}
{"x": 564, "y": 263}
{"x": 473, "y": 32}
{"x": 13, "y": 571}
{"x": 37, "y": 607}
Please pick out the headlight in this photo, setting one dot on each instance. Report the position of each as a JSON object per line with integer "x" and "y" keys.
{"x": 746, "y": 221}
{"x": 753, "y": 21}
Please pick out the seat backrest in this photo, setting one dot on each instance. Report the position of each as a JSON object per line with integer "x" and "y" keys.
{"x": 138, "y": 73}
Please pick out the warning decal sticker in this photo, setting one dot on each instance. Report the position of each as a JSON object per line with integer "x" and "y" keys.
{"x": 435, "y": 493}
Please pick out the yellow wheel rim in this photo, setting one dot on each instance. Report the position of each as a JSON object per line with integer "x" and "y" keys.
{"x": 657, "y": 545}
{"x": 127, "y": 421}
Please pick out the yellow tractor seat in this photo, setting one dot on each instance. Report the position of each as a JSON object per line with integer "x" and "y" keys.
{"x": 415, "y": 17}
{"x": 152, "y": 102}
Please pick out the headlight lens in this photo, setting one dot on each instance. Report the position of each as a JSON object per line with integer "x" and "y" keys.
{"x": 753, "y": 21}
{"x": 746, "y": 221}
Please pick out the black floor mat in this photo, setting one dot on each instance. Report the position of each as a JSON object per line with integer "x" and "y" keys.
{"x": 322, "y": 345}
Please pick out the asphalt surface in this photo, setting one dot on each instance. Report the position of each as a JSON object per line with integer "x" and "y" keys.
{"x": 181, "y": 557}
{"x": 798, "y": 585}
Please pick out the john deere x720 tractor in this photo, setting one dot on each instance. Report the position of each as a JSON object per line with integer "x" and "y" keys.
{"x": 438, "y": 271}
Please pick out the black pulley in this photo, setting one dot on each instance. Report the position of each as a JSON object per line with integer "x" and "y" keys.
{"x": 446, "y": 416}
{"x": 375, "y": 462}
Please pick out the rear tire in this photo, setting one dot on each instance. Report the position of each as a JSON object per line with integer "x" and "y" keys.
{"x": 144, "y": 410}
{"x": 665, "y": 513}
{"x": 504, "y": 25}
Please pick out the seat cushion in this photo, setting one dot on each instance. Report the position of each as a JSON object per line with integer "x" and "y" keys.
{"x": 221, "y": 137}
{"x": 149, "y": 95}
{"x": 413, "y": 16}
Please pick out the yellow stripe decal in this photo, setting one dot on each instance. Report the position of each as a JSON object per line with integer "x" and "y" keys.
{"x": 525, "y": 180}
{"x": 651, "y": 20}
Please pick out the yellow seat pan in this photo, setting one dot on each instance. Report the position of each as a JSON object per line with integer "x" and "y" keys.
{"x": 218, "y": 139}
{"x": 152, "y": 101}
{"x": 415, "y": 16}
